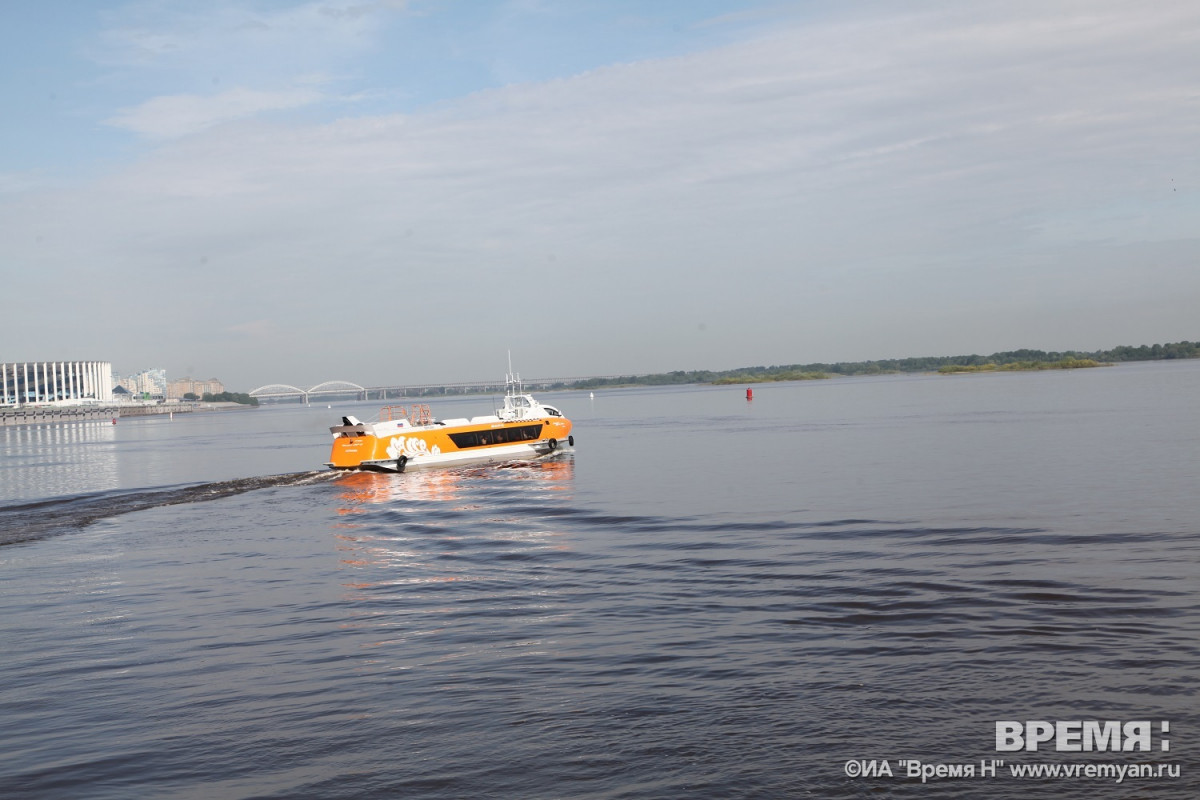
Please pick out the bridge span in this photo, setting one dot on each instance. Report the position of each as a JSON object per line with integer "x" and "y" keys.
{"x": 340, "y": 388}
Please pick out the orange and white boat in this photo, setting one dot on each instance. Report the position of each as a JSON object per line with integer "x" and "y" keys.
{"x": 410, "y": 438}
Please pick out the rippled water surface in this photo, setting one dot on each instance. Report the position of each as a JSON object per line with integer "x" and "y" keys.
{"x": 709, "y": 598}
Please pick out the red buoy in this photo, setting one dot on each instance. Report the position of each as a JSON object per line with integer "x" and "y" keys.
{"x": 749, "y": 394}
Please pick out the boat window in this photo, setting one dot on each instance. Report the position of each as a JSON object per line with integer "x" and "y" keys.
{"x": 495, "y": 436}
{"x": 465, "y": 439}
{"x": 554, "y": 412}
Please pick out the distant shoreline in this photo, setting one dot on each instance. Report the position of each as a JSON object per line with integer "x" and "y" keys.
{"x": 1013, "y": 360}
{"x": 949, "y": 369}
{"x": 1010, "y": 361}
{"x": 1025, "y": 366}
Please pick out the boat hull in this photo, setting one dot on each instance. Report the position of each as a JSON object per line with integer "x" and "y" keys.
{"x": 498, "y": 455}
{"x": 439, "y": 445}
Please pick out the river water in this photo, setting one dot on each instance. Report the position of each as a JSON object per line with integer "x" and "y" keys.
{"x": 708, "y": 598}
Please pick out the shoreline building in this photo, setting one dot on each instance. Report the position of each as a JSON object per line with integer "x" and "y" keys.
{"x": 149, "y": 384}
{"x": 60, "y": 382}
{"x": 176, "y": 389}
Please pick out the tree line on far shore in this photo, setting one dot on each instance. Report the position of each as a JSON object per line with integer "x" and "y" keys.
{"x": 224, "y": 397}
{"x": 791, "y": 372}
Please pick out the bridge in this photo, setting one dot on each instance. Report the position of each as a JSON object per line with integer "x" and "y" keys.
{"x": 275, "y": 391}
{"x": 284, "y": 391}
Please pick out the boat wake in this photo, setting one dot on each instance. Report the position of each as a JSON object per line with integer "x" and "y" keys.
{"x": 43, "y": 518}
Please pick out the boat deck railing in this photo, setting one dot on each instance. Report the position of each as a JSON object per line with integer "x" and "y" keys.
{"x": 417, "y": 414}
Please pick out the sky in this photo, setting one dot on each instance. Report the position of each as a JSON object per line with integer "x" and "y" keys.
{"x": 406, "y": 191}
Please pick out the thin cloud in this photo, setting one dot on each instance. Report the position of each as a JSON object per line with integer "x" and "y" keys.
{"x": 173, "y": 116}
{"x": 236, "y": 35}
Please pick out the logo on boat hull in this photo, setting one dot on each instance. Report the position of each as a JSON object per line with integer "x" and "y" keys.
{"x": 411, "y": 446}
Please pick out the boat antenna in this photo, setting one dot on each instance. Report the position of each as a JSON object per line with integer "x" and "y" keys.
{"x": 512, "y": 381}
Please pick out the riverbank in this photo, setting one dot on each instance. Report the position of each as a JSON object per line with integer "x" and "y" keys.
{"x": 41, "y": 415}
{"x": 754, "y": 377}
{"x": 1022, "y": 366}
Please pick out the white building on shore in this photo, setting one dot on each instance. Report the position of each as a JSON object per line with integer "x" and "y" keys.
{"x": 57, "y": 382}
{"x": 149, "y": 384}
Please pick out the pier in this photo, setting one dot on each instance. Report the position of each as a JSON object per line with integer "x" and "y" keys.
{"x": 36, "y": 415}
{"x": 39, "y": 415}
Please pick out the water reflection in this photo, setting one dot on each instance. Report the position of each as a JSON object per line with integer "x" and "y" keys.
{"x": 361, "y": 489}
{"x": 61, "y": 458}
{"x": 406, "y": 539}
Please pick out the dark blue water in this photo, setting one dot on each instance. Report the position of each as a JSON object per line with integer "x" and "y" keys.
{"x": 708, "y": 599}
